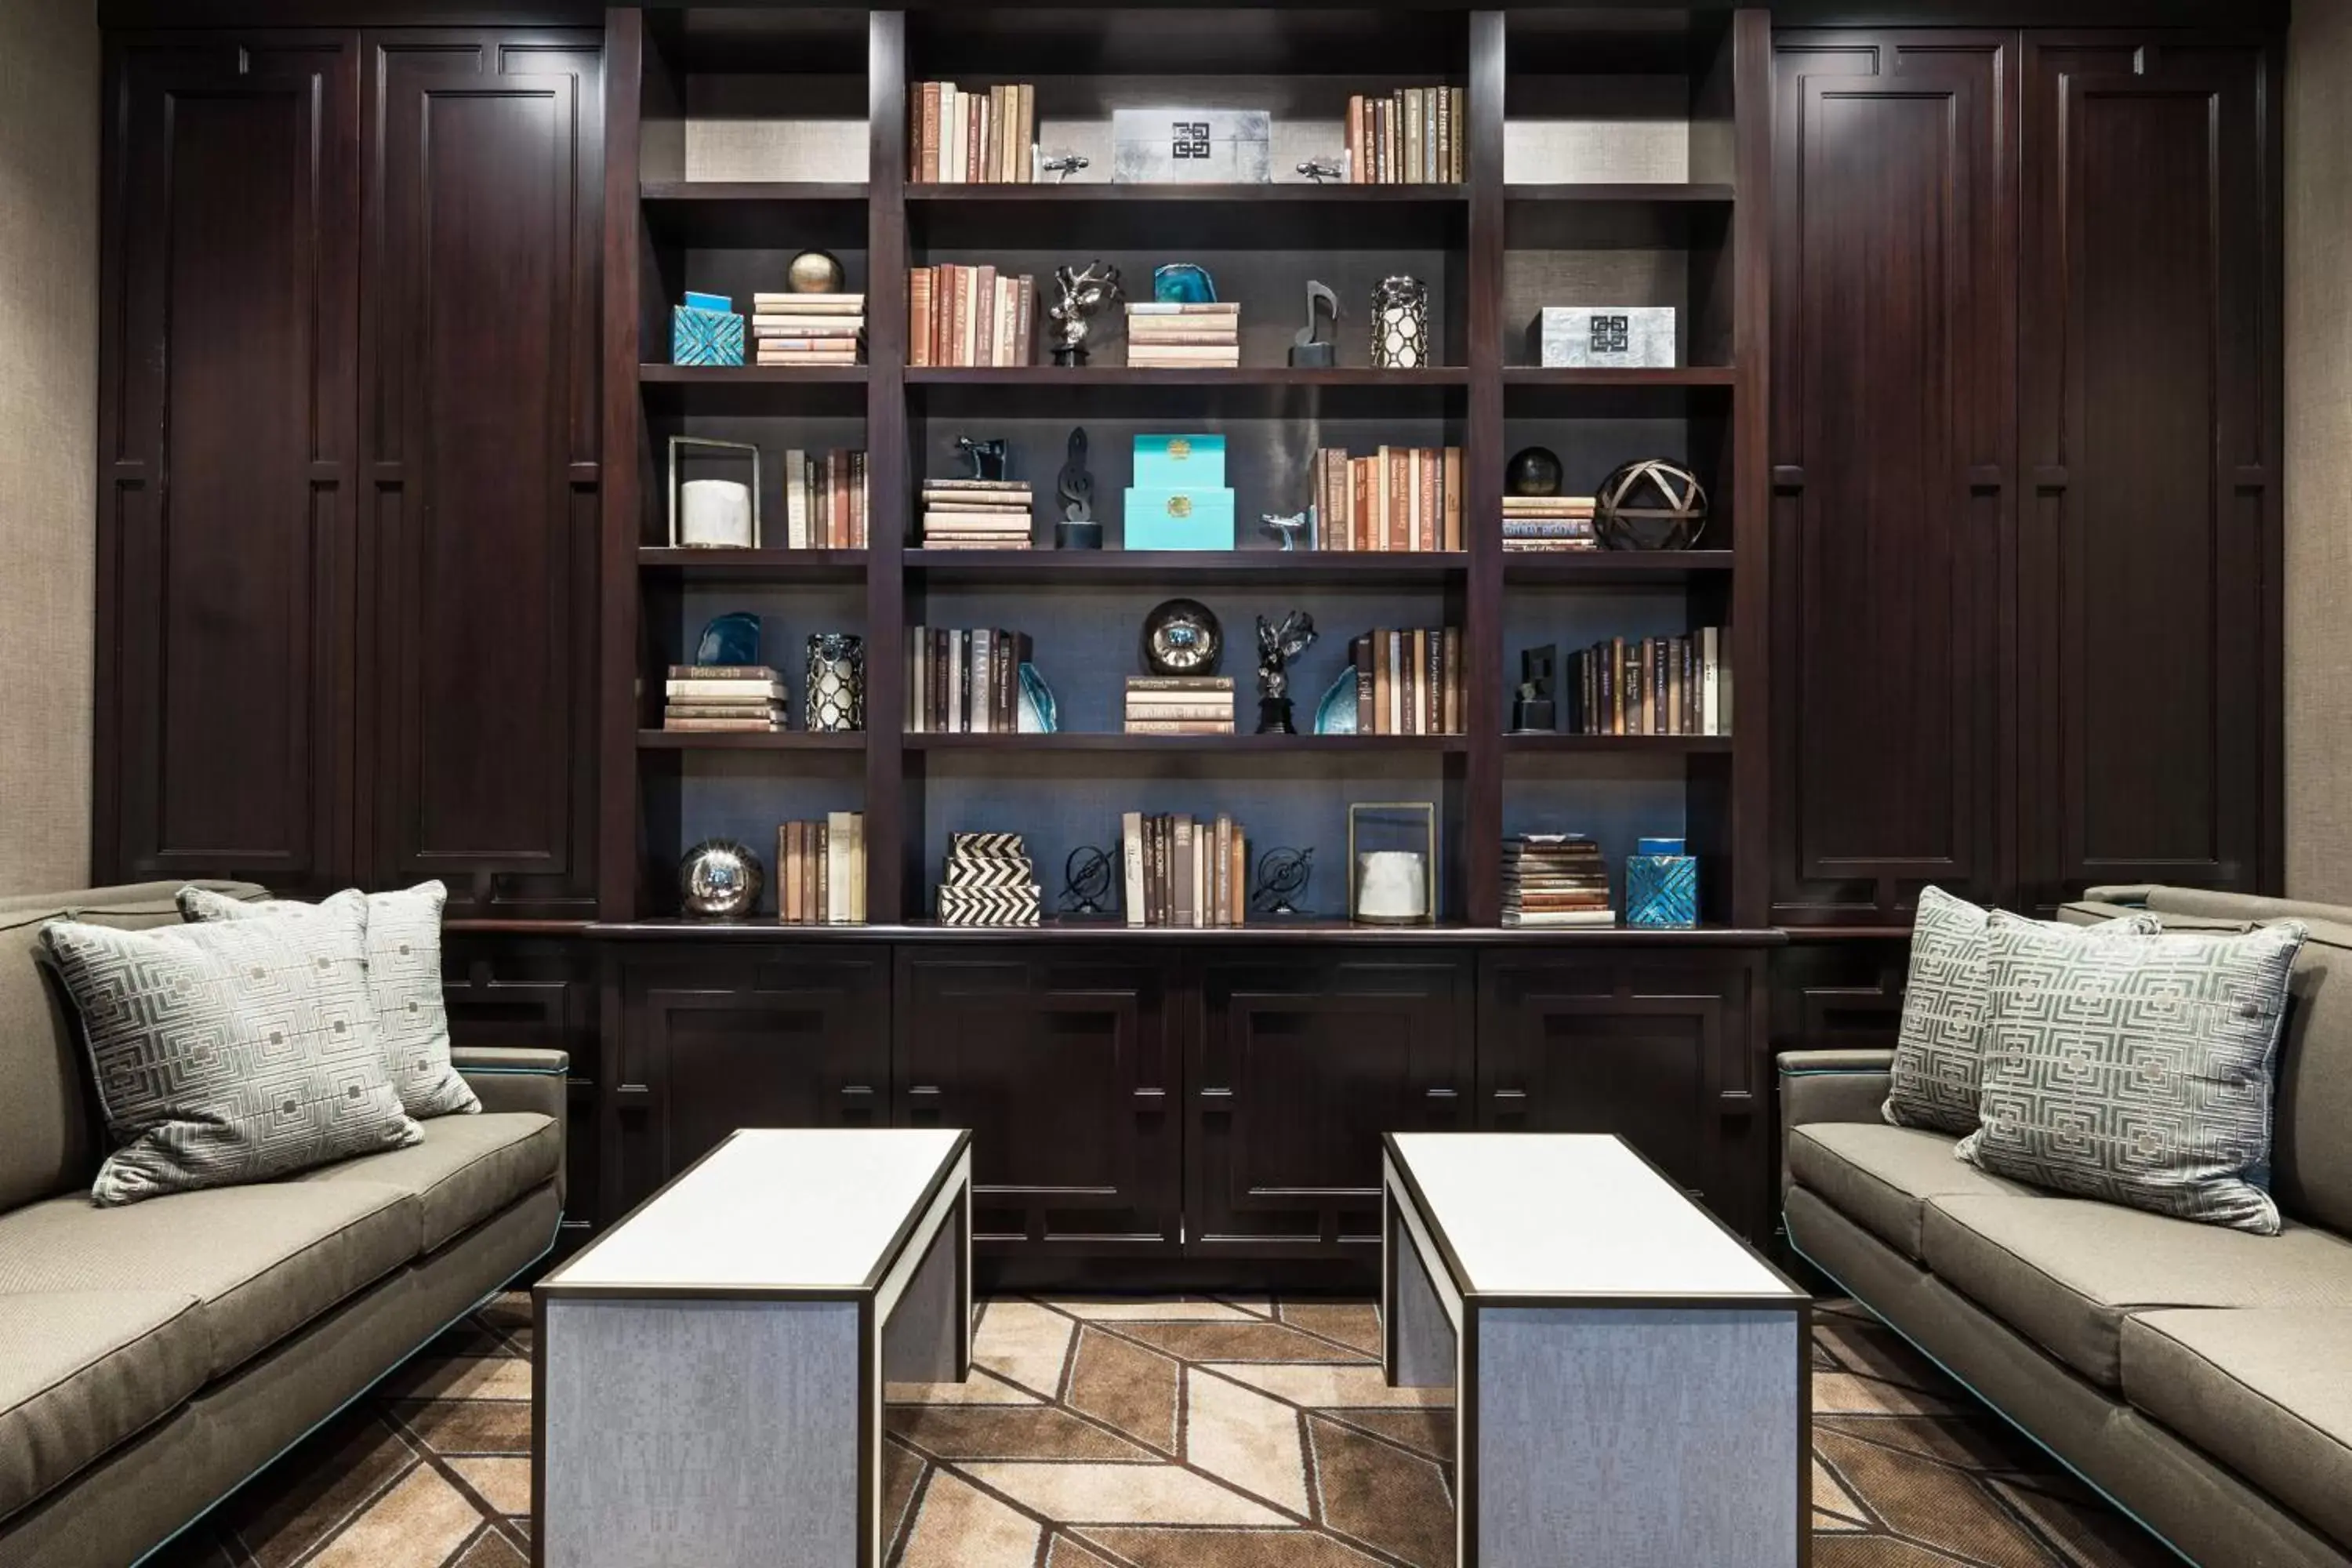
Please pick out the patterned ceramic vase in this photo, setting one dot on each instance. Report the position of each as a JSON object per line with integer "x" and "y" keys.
{"x": 836, "y": 703}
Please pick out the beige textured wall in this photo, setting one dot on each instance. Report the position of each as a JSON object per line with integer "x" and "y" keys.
{"x": 2319, "y": 453}
{"x": 48, "y": 413}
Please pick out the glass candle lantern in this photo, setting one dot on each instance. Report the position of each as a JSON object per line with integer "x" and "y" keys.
{"x": 1400, "y": 324}
{"x": 836, "y": 703}
{"x": 1661, "y": 886}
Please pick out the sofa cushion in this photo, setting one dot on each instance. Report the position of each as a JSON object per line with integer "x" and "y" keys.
{"x": 1881, "y": 1177}
{"x": 2136, "y": 1068}
{"x": 261, "y": 1261}
{"x": 464, "y": 1170}
{"x": 50, "y": 1136}
{"x": 2311, "y": 1154}
{"x": 80, "y": 1371}
{"x": 403, "y": 970}
{"x": 2067, "y": 1272}
{"x": 2268, "y": 1392}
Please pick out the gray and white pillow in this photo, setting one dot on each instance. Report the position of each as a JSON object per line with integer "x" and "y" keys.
{"x": 231, "y": 1053}
{"x": 1938, "y": 1048}
{"x": 2138, "y": 1070}
{"x": 404, "y": 962}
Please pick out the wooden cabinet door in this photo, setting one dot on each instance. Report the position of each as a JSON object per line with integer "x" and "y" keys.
{"x": 764, "y": 1037}
{"x": 1062, "y": 1064}
{"x": 1893, "y": 440}
{"x": 1664, "y": 1051}
{"x": 478, "y": 409}
{"x": 226, "y": 438}
{"x": 1302, "y": 1061}
{"x": 2150, "y": 539}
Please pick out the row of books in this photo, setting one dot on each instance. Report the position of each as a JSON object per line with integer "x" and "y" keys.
{"x": 1401, "y": 498}
{"x": 1549, "y": 523}
{"x": 1409, "y": 682}
{"x": 964, "y": 681}
{"x": 1179, "y": 871}
{"x": 979, "y": 137}
{"x": 977, "y": 514}
{"x": 825, "y": 501}
{"x": 723, "y": 698}
{"x": 808, "y": 328}
{"x": 821, "y": 871}
{"x": 1180, "y": 705}
{"x": 1555, "y": 880}
{"x": 960, "y": 315}
{"x": 1651, "y": 686}
{"x": 1415, "y": 136}
{"x": 1170, "y": 335}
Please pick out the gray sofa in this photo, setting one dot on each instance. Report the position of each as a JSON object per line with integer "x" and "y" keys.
{"x": 152, "y": 1357}
{"x": 2200, "y": 1377}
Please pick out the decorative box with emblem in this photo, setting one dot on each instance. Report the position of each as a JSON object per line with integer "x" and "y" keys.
{"x": 1180, "y": 500}
{"x": 1634, "y": 336}
{"x": 988, "y": 880}
{"x": 1155, "y": 146}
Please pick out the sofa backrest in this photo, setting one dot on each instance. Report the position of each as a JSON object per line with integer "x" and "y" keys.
{"x": 51, "y": 1137}
{"x": 2311, "y": 1142}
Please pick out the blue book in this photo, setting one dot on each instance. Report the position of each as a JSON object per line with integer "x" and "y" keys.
{"x": 700, "y": 301}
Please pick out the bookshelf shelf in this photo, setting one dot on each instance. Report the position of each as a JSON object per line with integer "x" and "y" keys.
{"x": 752, "y": 565}
{"x": 1637, "y": 745}
{"x": 1624, "y": 193}
{"x": 735, "y": 376}
{"x": 1092, "y": 566}
{"x": 1603, "y": 567}
{"x": 1080, "y": 741}
{"x": 1096, "y": 194}
{"x": 1697, "y": 375}
{"x": 1257, "y": 933}
{"x": 746, "y": 741}
{"x": 1090, "y": 378}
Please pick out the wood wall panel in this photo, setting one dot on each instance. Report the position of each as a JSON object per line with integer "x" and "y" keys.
{"x": 538, "y": 993}
{"x": 224, "y": 646}
{"x": 480, "y": 429}
{"x": 1893, "y": 447}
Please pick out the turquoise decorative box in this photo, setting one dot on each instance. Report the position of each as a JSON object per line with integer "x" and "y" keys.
{"x": 705, "y": 337}
{"x": 1661, "y": 886}
{"x": 1179, "y": 462}
{"x": 1194, "y": 518}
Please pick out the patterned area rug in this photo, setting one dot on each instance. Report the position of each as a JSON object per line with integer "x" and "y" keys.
{"x": 1226, "y": 1433}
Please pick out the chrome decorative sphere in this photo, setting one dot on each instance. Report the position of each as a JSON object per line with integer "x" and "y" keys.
{"x": 814, "y": 272}
{"x": 1182, "y": 636}
{"x": 719, "y": 879}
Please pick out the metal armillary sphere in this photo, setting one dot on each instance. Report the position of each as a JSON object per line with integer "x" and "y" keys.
{"x": 1650, "y": 505}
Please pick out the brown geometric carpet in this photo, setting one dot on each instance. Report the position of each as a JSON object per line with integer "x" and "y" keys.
{"x": 1226, "y": 1432}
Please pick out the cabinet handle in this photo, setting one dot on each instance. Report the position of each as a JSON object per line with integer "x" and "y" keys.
{"x": 858, "y": 1091}
{"x": 1985, "y": 478}
{"x": 1440, "y": 1093}
{"x": 1151, "y": 1094}
{"x": 1788, "y": 477}
{"x": 924, "y": 1091}
{"x": 1510, "y": 1094}
{"x": 1216, "y": 1094}
{"x": 2050, "y": 477}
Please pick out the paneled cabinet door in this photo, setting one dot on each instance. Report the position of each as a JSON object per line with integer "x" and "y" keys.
{"x": 2147, "y": 692}
{"x": 540, "y": 994}
{"x": 225, "y": 465}
{"x": 1892, "y": 452}
{"x": 765, "y": 1037}
{"x": 1303, "y": 1061}
{"x": 478, "y": 413}
{"x": 1061, "y": 1066}
{"x": 1664, "y": 1051}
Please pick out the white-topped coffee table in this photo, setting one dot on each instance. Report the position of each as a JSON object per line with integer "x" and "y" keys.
{"x": 1630, "y": 1377}
{"x": 708, "y": 1374}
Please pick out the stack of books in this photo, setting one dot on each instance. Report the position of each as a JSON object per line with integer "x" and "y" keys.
{"x": 722, "y": 697}
{"x": 1651, "y": 686}
{"x": 976, "y": 514}
{"x": 1401, "y": 498}
{"x": 988, "y": 880}
{"x": 826, "y": 500}
{"x": 1548, "y": 523}
{"x": 982, "y": 137}
{"x": 821, "y": 871}
{"x": 970, "y": 316}
{"x": 964, "y": 682}
{"x": 1555, "y": 880}
{"x": 1179, "y": 704}
{"x": 1165, "y": 335}
{"x": 1409, "y": 682}
{"x": 808, "y": 328}
{"x": 1415, "y": 136}
{"x": 1182, "y": 872}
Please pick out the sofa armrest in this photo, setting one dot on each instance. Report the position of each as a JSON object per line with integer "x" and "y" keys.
{"x": 516, "y": 1077}
{"x": 1829, "y": 1086}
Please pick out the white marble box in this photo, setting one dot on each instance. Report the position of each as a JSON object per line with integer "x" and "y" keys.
{"x": 1188, "y": 146}
{"x": 1640, "y": 336}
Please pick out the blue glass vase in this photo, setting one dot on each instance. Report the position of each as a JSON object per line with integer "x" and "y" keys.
{"x": 1661, "y": 886}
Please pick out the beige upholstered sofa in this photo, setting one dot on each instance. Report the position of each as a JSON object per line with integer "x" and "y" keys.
{"x": 2200, "y": 1377}
{"x": 153, "y": 1356}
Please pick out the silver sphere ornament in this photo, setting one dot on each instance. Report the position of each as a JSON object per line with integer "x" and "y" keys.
{"x": 719, "y": 879}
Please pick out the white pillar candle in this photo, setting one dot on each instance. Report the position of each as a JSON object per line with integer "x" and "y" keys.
{"x": 715, "y": 513}
{"x": 1391, "y": 885}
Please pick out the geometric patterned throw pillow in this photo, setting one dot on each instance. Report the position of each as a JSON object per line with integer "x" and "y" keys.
{"x": 1939, "y": 1046}
{"x": 230, "y": 1053}
{"x": 2136, "y": 1070}
{"x": 404, "y": 962}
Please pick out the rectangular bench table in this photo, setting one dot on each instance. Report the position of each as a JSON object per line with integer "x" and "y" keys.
{"x": 1630, "y": 1378}
{"x": 708, "y": 1374}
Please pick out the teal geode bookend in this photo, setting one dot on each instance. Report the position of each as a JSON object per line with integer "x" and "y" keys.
{"x": 731, "y": 639}
{"x": 1038, "y": 715}
{"x": 1661, "y": 886}
{"x": 1183, "y": 283}
{"x": 1335, "y": 711}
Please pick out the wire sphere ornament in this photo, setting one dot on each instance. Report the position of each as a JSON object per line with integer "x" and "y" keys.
{"x": 1087, "y": 881}
{"x": 1653, "y": 504}
{"x": 1282, "y": 877}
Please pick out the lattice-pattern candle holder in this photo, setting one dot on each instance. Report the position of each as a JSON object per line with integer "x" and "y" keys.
{"x": 1400, "y": 324}
{"x": 1661, "y": 886}
{"x": 836, "y": 701}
